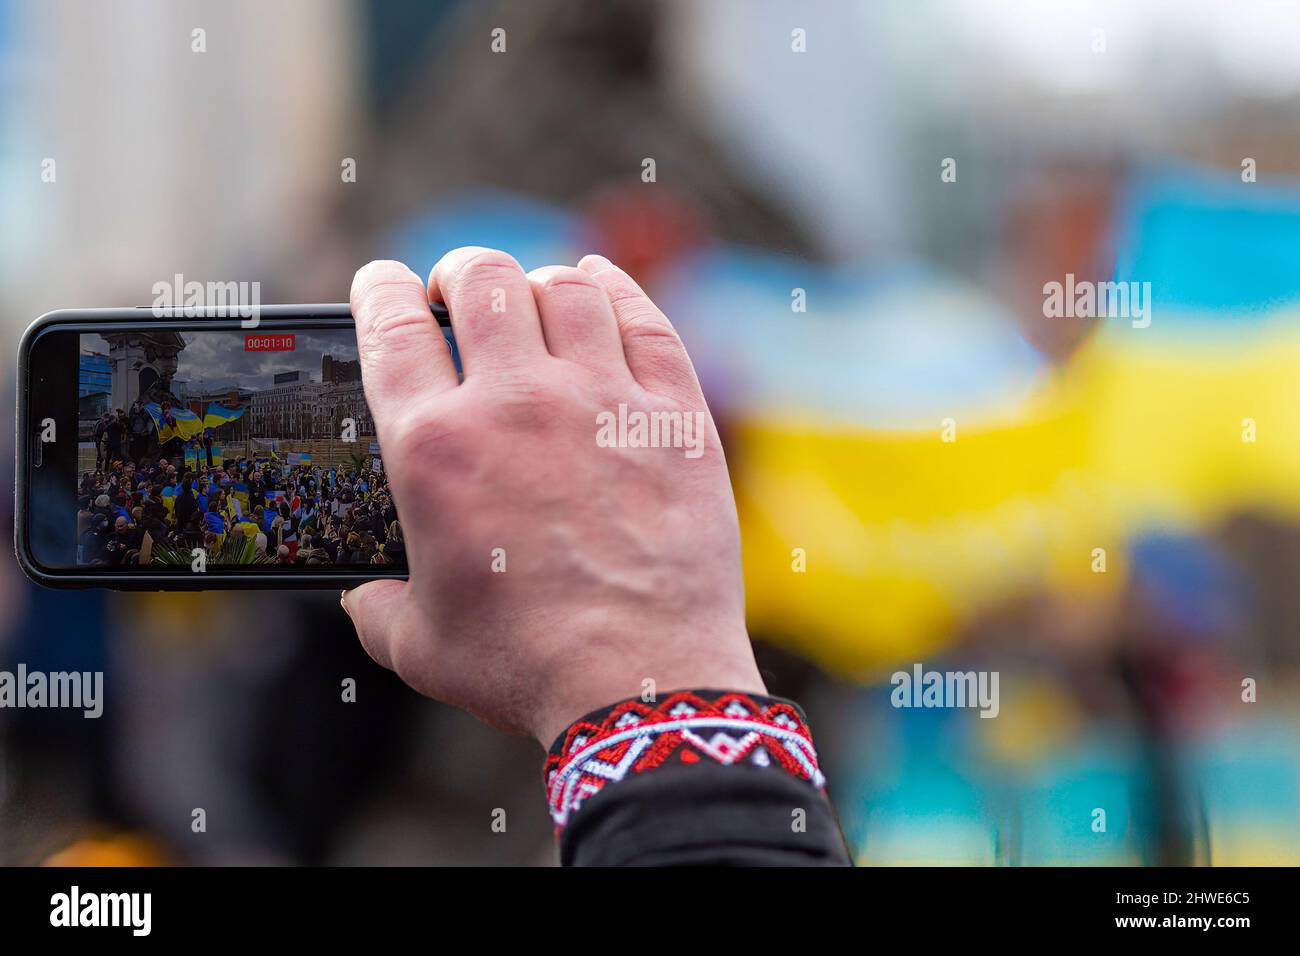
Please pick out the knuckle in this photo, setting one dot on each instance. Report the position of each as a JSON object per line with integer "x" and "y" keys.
{"x": 380, "y": 274}
{"x": 665, "y": 365}
{"x": 393, "y": 321}
{"x": 418, "y": 427}
{"x": 647, "y": 322}
{"x": 638, "y": 316}
{"x": 558, "y": 277}
{"x": 523, "y": 401}
{"x": 388, "y": 301}
{"x": 484, "y": 267}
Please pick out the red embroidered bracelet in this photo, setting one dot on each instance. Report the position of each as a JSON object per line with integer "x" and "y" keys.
{"x": 685, "y": 727}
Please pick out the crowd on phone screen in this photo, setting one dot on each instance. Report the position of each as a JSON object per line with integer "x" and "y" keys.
{"x": 137, "y": 499}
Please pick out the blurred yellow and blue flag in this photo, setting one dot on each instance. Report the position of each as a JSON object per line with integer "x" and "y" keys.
{"x": 868, "y": 542}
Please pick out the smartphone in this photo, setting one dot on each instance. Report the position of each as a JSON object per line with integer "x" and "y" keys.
{"x": 175, "y": 449}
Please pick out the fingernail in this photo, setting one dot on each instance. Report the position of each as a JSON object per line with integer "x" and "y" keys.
{"x": 343, "y": 603}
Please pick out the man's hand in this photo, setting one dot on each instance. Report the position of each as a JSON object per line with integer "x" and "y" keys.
{"x": 550, "y": 574}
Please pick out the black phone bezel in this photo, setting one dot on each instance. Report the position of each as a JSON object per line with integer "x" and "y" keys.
{"x": 270, "y": 318}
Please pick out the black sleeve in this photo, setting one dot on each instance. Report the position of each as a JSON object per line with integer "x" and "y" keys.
{"x": 699, "y": 778}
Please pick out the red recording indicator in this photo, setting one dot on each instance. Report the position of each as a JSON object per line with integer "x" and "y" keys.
{"x": 268, "y": 343}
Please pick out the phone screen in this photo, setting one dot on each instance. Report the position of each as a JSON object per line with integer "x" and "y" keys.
{"x": 210, "y": 450}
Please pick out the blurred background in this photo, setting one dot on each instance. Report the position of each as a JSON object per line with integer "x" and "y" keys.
{"x": 854, "y": 210}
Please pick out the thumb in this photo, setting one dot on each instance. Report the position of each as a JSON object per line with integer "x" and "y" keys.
{"x": 374, "y": 608}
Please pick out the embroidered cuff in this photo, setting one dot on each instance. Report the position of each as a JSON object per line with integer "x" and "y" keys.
{"x": 684, "y": 728}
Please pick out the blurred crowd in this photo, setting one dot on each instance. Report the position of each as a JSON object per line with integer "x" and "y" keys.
{"x": 851, "y": 211}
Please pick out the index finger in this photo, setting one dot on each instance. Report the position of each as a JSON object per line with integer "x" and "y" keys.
{"x": 399, "y": 342}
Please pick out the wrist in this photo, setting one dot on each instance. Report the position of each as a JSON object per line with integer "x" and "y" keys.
{"x": 584, "y": 687}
